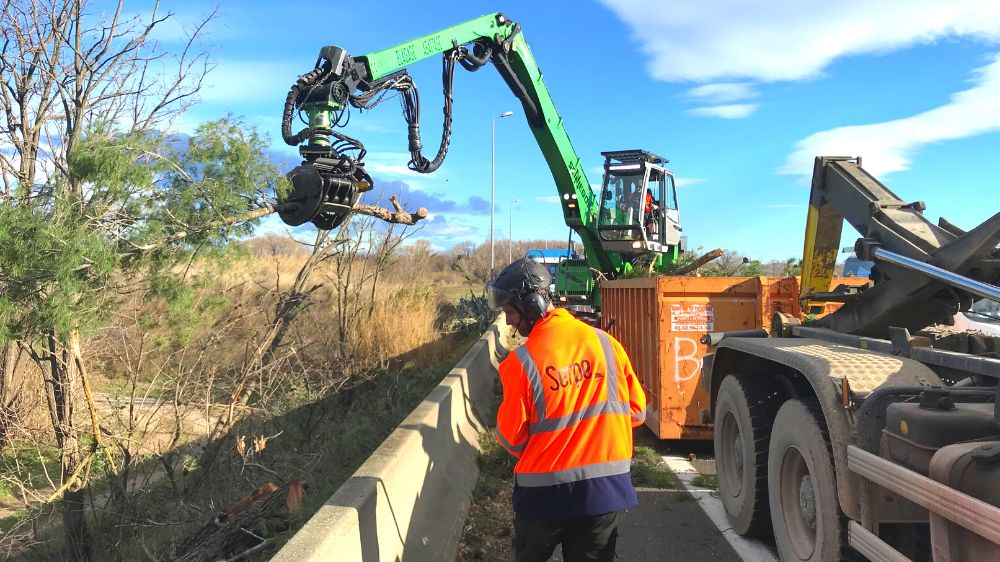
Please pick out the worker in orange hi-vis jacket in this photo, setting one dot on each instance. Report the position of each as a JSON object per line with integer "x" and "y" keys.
{"x": 570, "y": 401}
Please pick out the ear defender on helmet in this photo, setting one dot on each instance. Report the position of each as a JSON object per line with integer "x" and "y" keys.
{"x": 534, "y": 305}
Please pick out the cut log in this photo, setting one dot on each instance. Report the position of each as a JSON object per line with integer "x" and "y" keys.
{"x": 237, "y": 530}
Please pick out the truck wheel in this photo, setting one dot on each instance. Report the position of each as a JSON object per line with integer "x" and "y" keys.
{"x": 802, "y": 485}
{"x": 744, "y": 411}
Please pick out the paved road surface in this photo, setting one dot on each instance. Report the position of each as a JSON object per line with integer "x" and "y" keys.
{"x": 685, "y": 525}
{"x": 671, "y": 526}
{"x": 749, "y": 550}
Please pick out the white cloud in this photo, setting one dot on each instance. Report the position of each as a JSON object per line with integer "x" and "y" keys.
{"x": 721, "y": 92}
{"x": 456, "y": 231}
{"x": 45, "y": 166}
{"x": 393, "y": 166}
{"x": 790, "y": 39}
{"x": 186, "y": 123}
{"x": 394, "y": 170}
{"x": 886, "y": 147}
{"x": 728, "y": 111}
{"x": 272, "y": 224}
{"x": 444, "y": 229}
{"x": 547, "y": 199}
{"x": 687, "y": 182}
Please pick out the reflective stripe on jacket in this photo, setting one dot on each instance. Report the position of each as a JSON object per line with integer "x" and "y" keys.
{"x": 570, "y": 402}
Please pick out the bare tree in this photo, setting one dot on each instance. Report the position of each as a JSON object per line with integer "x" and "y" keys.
{"x": 64, "y": 71}
{"x": 262, "y": 352}
{"x": 364, "y": 255}
{"x": 472, "y": 262}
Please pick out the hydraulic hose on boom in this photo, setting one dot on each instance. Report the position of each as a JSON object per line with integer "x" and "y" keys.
{"x": 329, "y": 182}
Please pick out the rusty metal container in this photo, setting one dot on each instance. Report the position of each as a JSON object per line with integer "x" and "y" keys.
{"x": 660, "y": 320}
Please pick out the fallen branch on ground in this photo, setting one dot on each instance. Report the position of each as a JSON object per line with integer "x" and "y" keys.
{"x": 229, "y": 536}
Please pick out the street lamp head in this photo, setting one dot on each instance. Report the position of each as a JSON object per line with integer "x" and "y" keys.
{"x": 506, "y": 114}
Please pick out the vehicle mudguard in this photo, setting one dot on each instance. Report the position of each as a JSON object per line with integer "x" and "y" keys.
{"x": 805, "y": 367}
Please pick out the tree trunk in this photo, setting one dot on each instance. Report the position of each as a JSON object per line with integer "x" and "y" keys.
{"x": 62, "y": 373}
{"x": 10, "y": 355}
{"x": 78, "y": 544}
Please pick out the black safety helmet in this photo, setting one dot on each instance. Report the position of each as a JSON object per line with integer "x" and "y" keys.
{"x": 524, "y": 284}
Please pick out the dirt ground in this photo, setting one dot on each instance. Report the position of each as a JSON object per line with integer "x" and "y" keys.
{"x": 154, "y": 422}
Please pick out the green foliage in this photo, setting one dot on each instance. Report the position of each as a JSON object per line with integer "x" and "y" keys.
{"x": 116, "y": 170}
{"x": 189, "y": 463}
{"x": 130, "y": 203}
{"x": 12, "y": 520}
{"x": 649, "y": 469}
{"x": 732, "y": 264}
{"x": 221, "y": 173}
{"x": 471, "y": 315}
{"x": 54, "y": 274}
{"x": 793, "y": 267}
{"x": 642, "y": 267}
{"x": 496, "y": 466}
{"x": 707, "y": 481}
{"x": 683, "y": 260}
{"x": 753, "y": 268}
{"x": 185, "y": 310}
{"x": 26, "y": 465}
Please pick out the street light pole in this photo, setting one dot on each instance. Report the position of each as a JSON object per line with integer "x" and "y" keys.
{"x": 510, "y": 232}
{"x": 493, "y": 152}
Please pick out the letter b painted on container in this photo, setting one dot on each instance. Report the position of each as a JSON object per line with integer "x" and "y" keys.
{"x": 686, "y": 355}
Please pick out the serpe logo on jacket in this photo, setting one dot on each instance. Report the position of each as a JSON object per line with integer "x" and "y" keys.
{"x": 572, "y": 374}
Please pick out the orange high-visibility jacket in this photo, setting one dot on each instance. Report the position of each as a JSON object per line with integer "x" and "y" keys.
{"x": 570, "y": 401}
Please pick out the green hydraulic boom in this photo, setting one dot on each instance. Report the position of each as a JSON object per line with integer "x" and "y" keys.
{"x": 634, "y": 222}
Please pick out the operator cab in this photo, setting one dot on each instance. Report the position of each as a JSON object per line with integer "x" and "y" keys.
{"x": 638, "y": 204}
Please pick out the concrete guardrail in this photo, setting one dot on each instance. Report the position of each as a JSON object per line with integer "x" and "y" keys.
{"x": 409, "y": 500}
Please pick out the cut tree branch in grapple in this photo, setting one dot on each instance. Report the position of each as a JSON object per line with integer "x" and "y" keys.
{"x": 399, "y": 216}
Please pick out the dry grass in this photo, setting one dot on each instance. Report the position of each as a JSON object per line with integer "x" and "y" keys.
{"x": 325, "y": 402}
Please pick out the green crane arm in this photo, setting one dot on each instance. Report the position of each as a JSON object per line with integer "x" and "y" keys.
{"x": 384, "y": 62}
{"x": 493, "y": 37}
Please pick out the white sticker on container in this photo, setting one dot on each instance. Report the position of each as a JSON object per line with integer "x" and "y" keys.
{"x": 692, "y": 318}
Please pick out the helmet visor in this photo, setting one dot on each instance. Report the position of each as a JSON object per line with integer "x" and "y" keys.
{"x": 498, "y": 297}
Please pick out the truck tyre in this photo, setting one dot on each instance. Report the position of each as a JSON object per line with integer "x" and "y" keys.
{"x": 802, "y": 485}
{"x": 744, "y": 412}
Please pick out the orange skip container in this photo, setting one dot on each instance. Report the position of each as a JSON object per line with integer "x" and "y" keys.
{"x": 660, "y": 320}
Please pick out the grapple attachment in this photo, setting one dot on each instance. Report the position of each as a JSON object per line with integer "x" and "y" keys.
{"x": 324, "y": 191}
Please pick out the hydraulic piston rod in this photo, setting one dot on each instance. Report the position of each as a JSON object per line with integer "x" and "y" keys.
{"x": 979, "y": 288}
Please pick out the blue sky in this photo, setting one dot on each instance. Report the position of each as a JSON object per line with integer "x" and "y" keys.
{"x": 740, "y": 97}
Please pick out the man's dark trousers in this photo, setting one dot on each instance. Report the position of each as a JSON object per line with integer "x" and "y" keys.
{"x": 582, "y": 538}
